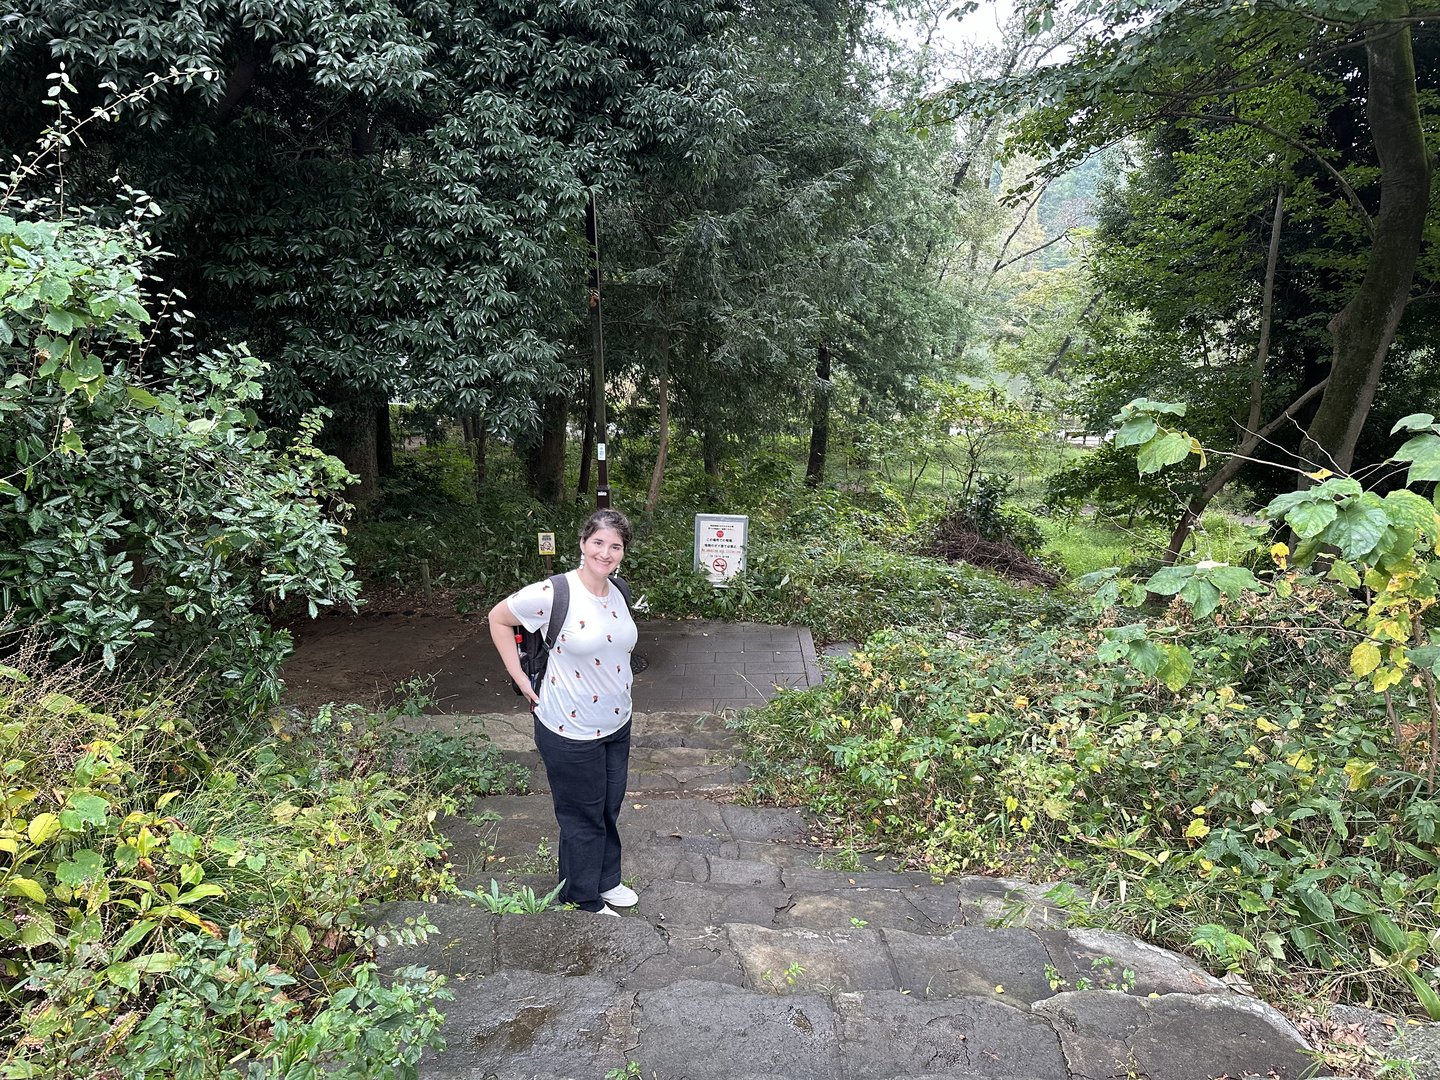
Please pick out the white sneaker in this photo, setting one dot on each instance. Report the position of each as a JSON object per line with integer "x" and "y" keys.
{"x": 605, "y": 910}
{"x": 621, "y": 896}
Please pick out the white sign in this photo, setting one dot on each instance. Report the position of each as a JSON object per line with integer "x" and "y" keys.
{"x": 720, "y": 541}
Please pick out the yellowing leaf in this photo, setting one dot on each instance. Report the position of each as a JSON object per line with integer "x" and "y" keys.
{"x": 1197, "y": 829}
{"x": 1269, "y": 727}
{"x": 1358, "y": 773}
{"x": 1364, "y": 659}
{"x": 1320, "y": 474}
{"x": 42, "y": 828}
{"x": 1386, "y": 678}
{"x": 31, "y": 890}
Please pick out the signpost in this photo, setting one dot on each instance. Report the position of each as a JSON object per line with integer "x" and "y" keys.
{"x": 720, "y": 542}
{"x": 547, "y": 550}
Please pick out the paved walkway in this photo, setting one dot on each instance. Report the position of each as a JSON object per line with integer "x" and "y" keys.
{"x": 700, "y": 665}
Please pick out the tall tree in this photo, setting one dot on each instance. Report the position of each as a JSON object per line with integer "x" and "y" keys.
{"x": 381, "y": 197}
{"x": 1210, "y": 64}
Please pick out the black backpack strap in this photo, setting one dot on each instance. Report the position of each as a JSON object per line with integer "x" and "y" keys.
{"x": 624, "y": 587}
{"x": 559, "y": 608}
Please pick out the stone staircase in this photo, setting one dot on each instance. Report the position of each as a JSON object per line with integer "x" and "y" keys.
{"x": 755, "y": 952}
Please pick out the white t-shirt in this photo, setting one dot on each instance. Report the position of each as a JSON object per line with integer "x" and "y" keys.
{"x": 586, "y": 690}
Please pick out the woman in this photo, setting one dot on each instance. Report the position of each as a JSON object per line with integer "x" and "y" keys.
{"x": 582, "y": 710}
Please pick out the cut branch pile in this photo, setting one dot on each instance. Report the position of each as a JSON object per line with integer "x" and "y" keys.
{"x": 957, "y": 540}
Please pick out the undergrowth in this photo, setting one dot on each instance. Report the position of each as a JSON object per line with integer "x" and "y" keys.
{"x": 1261, "y": 820}
{"x": 170, "y": 908}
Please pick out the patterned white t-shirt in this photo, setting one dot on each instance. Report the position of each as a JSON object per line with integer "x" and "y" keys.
{"x": 586, "y": 690}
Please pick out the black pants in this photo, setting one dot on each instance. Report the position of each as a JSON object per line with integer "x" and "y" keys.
{"x": 587, "y": 783}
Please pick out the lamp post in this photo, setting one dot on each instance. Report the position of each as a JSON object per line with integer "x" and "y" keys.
{"x": 597, "y": 339}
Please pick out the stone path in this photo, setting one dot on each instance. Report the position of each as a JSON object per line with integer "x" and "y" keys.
{"x": 757, "y": 953}
{"x": 698, "y": 665}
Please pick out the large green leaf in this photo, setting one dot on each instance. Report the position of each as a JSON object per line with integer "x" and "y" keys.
{"x": 1408, "y": 509}
{"x": 1233, "y": 580}
{"x": 1168, "y": 449}
{"x": 1177, "y": 667}
{"x": 1169, "y": 580}
{"x": 1311, "y": 517}
{"x": 1423, "y": 453}
{"x": 1414, "y": 422}
{"x": 1358, "y": 527}
{"x": 1134, "y": 432}
{"x": 81, "y": 868}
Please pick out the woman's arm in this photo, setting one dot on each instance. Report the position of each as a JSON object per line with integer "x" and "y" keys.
{"x": 502, "y": 633}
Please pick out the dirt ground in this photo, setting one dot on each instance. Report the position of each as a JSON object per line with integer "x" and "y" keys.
{"x": 361, "y": 657}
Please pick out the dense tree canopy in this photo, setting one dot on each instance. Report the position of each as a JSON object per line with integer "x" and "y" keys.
{"x": 382, "y": 199}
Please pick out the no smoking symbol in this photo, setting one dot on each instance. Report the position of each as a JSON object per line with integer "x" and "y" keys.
{"x": 719, "y": 566}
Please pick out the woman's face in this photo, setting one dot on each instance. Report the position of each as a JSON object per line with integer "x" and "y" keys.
{"x": 603, "y": 549}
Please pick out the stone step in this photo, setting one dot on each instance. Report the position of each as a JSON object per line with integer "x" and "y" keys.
{"x": 1021, "y": 967}
{"x": 575, "y": 995}
{"x": 697, "y": 863}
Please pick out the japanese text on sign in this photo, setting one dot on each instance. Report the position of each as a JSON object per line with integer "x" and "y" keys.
{"x": 547, "y": 543}
{"x": 720, "y": 541}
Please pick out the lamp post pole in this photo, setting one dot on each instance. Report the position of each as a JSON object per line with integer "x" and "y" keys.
{"x": 597, "y": 339}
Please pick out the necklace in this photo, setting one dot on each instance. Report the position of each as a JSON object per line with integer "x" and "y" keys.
{"x": 603, "y": 599}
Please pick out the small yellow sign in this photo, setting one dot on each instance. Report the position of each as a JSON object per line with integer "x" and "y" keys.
{"x": 547, "y": 543}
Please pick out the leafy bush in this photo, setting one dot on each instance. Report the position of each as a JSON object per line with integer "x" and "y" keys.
{"x": 812, "y": 563}
{"x": 1105, "y": 478}
{"x": 984, "y": 509}
{"x": 489, "y": 546}
{"x": 1261, "y": 804}
{"x": 170, "y": 910}
{"x": 427, "y": 484}
{"x": 145, "y": 522}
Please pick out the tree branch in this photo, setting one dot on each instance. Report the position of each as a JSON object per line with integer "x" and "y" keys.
{"x": 1024, "y": 254}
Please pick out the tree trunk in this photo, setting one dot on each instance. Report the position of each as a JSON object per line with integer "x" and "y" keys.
{"x": 1053, "y": 368}
{"x": 657, "y": 475}
{"x": 351, "y": 432}
{"x": 1250, "y": 434}
{"x": 545, "y": 461}
{"x": 384, "y": 441}
{"x": 819, "y": 419}
{"x": 712, "y": 446}
{"x": 473, "y": 428}
{"x": 1364, "y": 328}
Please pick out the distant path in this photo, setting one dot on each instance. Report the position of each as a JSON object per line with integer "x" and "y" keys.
{"x": 698, "y": 665}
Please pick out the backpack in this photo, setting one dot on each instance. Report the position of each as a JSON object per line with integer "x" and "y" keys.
{"x": 535, "y": 647}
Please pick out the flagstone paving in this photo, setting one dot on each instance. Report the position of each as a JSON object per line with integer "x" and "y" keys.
{"x": 757, "y": 952}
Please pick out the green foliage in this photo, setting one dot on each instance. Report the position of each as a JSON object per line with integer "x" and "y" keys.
{"x": 422, "y": 240}
{"x": 146, "y": 522}
{"x": 1384, "y": 544}
{"x": 984, "y": 510}
{"x": 489, "y": 546}
{"x": 428, "y": 484}
{"x": 171, "y": 910}
{"x": 1262, "y": 800}
{"x": 457, "y": 761}
{"x": 520, "y": 901}
{"x": 821, "y": 562}
{"x": 1106, "y": 479}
